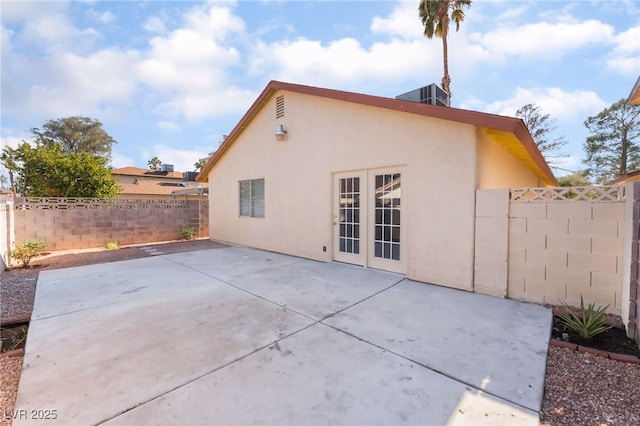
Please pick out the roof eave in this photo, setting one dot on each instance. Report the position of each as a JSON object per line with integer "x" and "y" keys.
{"x": 479, "y": 119}
{"x": 634, "y": 96}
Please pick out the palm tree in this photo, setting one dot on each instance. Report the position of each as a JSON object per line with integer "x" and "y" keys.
{"x": 200, "y": 164}
{"x": 435, "y": 18}
{"x": 154, "y": 163}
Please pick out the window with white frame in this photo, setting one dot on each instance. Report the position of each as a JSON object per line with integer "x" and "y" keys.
{"x": 252, "y": 198}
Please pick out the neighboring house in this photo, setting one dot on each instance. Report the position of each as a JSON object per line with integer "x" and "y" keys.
{"x": 157, "y": 184}
{"x": 629, "y": 177}
{"x": 634, "y": 96}
{"x": 377, "y": 182}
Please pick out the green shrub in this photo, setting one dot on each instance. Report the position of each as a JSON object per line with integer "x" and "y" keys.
{"x": 188, "y": 233}
{"x": 27, "y": 251}
{"x": 587, "y": 323}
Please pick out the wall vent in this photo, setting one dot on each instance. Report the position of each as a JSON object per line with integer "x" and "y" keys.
{"x": 280, "y": 106}
{"x": 431, "y": 94}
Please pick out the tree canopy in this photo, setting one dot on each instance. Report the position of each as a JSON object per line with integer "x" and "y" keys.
{"x": 435, "y": 18}
{"x": 198, "y": 165}
{"x": 49, "y": 171}
{"x": 76, "y": 134}
{"x": 575, "y": 179}
{"x": 541, "y": 126}
{"x": 612, "y": 149}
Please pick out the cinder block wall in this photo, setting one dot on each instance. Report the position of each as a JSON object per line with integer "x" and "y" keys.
{"x": 491, "y": 242}
{"x": 79, "y": 224}
{"x": 548, "y": 245}
{"x": 631, "y": 266}
{"x": 5, "y": 222}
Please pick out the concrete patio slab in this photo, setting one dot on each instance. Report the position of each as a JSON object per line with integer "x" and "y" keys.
{"x": 322, "y": 376}
{"x": 233, "y": 261}
{"x": 235, "y": 335}
{"x": 316, "y": 289}
{"x": 497, "y": 345}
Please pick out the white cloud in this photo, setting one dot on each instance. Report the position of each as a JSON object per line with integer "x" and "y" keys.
{"x": 118, "y": 160}
{"x": 190, "y": 66}
{"x": 403, "y": 22}
{"x": 542, "y": 39}
{"x": 103, "y": 17}
{"x": 68, "y": 84}
{"x": 344, "y": 61}
{"x": 155, "y": 24}
{"x": 625, "y": 57}
{"x": 559, "y": 104}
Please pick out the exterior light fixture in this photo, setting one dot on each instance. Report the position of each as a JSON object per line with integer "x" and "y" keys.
{"x": 281, "y": 133}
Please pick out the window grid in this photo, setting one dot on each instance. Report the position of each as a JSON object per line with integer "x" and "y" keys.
{"x": 349, "y": 222}
{"x": 252, "y": 198}
{"x": 387, "y": 216}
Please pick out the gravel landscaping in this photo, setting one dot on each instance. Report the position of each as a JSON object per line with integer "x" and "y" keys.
{"x": 580, "y": 389}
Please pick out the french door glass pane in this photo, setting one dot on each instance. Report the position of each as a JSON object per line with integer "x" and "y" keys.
{"x": 349, "y": 219}
{"x": 387, "y": 216}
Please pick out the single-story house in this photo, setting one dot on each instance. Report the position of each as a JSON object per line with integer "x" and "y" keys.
{"x": 372, "y": 181}
{"x": 157, "y": 184}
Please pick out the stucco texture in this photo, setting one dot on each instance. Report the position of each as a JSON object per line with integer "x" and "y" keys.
{"x": 440, "y": 173}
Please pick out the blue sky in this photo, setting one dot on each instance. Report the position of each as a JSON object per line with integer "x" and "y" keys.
{"x": 170, "y": 78}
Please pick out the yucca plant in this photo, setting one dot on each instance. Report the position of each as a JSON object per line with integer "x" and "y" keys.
{"x": 587, "y": 323}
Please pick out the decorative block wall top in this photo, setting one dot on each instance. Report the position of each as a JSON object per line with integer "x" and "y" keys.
{"x": 602, "y": 194}
{"x": 38, "y": 203}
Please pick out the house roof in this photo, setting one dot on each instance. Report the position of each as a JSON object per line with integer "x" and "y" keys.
{"x": 511, "y": 133}
{"x": 629, "y": 177}
{"x": 149, "y": 187}
{"x": 139, "y": 172}
{"x": 634, "y": 96}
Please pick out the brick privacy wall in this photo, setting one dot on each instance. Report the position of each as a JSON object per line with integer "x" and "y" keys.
{"x": 85, "y": 226}
{"x": 559, "y": 251}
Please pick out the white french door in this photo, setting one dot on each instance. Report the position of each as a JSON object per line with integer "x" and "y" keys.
{"x": 369, "y": 221}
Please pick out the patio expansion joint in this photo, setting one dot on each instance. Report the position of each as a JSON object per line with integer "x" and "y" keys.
{"x": 261, "y": 348}
{"x": 208, "y": 373}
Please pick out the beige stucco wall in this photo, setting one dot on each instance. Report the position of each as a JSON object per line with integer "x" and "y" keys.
{"x": 509, "y": 174}
{"x": 326, "y": 137}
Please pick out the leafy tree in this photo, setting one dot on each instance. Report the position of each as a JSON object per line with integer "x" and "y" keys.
{"x": 76, "y": 134}
{"x": 154, "y": 163}
{"x": 200, "y": 164}
{"x": 541, "y": 126}
{"x": 3, "y": 181}
{"x": 612, "y": 149}
{"x": 575, "y": 179}
{"x": 435, "y": 19}
{"x": 48, "y": 171}
{"x": 8, "y": 161}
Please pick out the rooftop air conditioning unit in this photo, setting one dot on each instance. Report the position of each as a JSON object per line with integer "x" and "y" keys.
{"x": 189, "y": 176}
{"x": 431, "y": 94}
{"x": 167, "y": 168}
